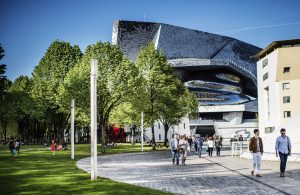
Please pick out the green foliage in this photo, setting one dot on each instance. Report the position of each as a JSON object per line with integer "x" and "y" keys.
{"x": 164, "y": 97}
{"x": 49, "y": 74}
{"x": 115, "y": 84}
{"x": 6, "y": 108}
{"x": 24, "y": 106}
{"x": 23, "y": 102}
{"x": 125, "y": 115}
{"x": 47, "y": 78}
{"x": 156, "y": 75}
{"x": 2, "y": 72}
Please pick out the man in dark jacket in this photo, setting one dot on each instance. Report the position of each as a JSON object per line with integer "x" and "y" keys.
{"x": 256, "y": 148}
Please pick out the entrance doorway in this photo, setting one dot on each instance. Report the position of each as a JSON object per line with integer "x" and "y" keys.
{"x": 204, "y": 131}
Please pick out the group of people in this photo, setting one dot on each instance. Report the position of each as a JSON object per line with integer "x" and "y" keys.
{"x": 179, "y": 147}
{"x": 182, "y": 144}
{"x": 14, "y": 146}
{"x": 283, "y": 148}
{"x": 214, "y": 142}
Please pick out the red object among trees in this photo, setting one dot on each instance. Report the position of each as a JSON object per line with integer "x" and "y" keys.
{"x": 116, "y": 134}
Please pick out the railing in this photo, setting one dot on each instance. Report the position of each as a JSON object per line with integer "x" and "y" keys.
{"x": 237, "y": 147}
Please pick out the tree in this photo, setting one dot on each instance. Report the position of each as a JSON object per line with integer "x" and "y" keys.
{"x": 4, "y": 97}
{"x": 115, "y": 84}
{"x": 6, "y": 108}
{"x": 157, "y": 78}
{"x": 127, "y": 115}
{"x": 176, "y": 104}
{"x": 48, "y": 75}
{"x": 24, "y": 107}
{"x": 2, "y": 72}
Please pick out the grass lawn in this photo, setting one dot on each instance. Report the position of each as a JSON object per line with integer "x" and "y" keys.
{"x": 36, "y": 171}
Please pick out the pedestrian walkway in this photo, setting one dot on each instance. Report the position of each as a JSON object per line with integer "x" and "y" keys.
{"x": 216, "y": 175}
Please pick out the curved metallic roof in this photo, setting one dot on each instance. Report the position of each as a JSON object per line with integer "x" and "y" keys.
{"x": 191, "y": 50}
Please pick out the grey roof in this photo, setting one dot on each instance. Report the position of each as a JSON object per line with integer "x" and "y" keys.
{"x": 177, "y": 42}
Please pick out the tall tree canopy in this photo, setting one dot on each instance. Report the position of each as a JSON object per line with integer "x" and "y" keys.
{"x": 157, "y": 78}
{"x": 5, "y": 106}
{"x": 116, "y": 83}
{"x": 2, "y": 72}
{"x": 47, "y": 77}
{"x": 25, "y": 109}
{"x": 177, "y": 103}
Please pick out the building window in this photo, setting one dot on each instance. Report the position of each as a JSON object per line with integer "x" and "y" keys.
{"x": 285, "y": 86}
{"x": 286, "y": 99}
{"x": 286, "y": 69}
{"x": 267, "y": 103}
{"x": 159, "y": 136}
{"x": 287, "y": 114}
{"x": 269, "y": 129}
{"x": 184, "y": 125}
{"x": 265, "y": 63}
{"x": 158, "y": 125}
{"x": 266, "y": 76}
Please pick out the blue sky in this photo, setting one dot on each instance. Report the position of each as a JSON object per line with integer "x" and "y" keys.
{"x": 29, "y": 26}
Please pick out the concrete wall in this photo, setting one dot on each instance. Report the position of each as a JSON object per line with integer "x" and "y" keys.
{"x": 267, "y": 101}
{"x": 234, "y": 118}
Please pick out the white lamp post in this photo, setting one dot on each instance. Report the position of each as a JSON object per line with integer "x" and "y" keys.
{"x": 94, "y": 68}
{"x": 72, "y": 127}
{"x": 142, "y": 129}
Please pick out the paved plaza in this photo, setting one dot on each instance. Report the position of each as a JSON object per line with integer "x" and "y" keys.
{"x": 215, "y": 175}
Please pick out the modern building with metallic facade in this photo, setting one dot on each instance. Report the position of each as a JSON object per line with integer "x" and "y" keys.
{"x": 218, "y": 69}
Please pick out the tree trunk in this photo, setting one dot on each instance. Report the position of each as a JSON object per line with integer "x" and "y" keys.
{"x": 63, "y": 123}
{"x": 4, "y": 126}
{"x": 153, "y": 138}
{"x": 166, "y": 127}
{"x": 103, "y": 142}
{"x": 4, "y": 129}
{"x": 132, "y": 135}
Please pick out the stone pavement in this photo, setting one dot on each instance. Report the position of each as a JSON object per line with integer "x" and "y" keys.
{"x": 215, "y": 175}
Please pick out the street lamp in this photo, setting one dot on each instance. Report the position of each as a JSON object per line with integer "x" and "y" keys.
{"x": 72, "y": 127}
{"x": 142, "y": 128}
{"x": 94, "y": 67}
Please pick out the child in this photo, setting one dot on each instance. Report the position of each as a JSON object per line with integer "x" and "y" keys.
{"x": 53, "y": 147}
{"x": 11, "y": 147}
{"x": 17, "y": 146}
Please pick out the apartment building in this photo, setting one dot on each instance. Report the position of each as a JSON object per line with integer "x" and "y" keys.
{"x": 278, "y": 83}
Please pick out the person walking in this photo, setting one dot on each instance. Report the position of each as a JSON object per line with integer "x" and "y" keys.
{"x": 53, "y": 147}
{"x": 190, "y": 141}
{"x": 283, "y": 148}
{"x": 256, "y": 148}
{"x": 195, "y": 143}
{"x": 199, "y": 143}
{"x": 11, "y": 147}
{"x": 218, "y": 145}
{"x": 184, "y": 147}
{"x": 210, "y": 145}
{"x": 17, "y": 145}
{"x": 174, "y": 149}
